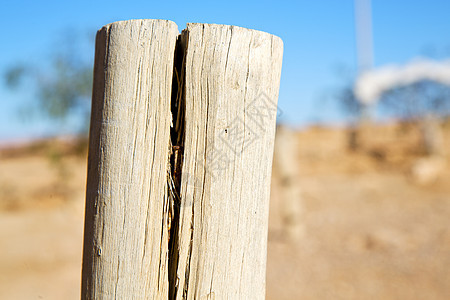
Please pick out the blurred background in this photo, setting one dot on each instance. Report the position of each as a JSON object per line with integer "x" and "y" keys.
{"x": 360, "y": 205}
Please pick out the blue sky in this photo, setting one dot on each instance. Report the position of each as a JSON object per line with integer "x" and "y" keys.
{"x": 318, "y": 36}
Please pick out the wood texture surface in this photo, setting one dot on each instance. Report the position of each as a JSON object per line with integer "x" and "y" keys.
{"x": 180, "y": 161}
{"x": 232, "y": 80}
{"x": 126, "y": 250}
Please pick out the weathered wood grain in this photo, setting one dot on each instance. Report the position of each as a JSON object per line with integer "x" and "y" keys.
{"x": 232, "y": 79}
{"x": 126, "y": 235}
{"x": 180, "y": 213}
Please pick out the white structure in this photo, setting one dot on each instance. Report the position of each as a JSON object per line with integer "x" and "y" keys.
{"x": 370, "y": 85}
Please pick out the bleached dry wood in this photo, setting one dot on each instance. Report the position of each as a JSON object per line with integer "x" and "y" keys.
{"x": 224, "y": 119}
{"x": 125, "y": 244}
{"x": 232, "y": 81}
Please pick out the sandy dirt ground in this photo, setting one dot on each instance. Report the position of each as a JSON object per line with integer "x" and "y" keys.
{"x": 366, "y": 227}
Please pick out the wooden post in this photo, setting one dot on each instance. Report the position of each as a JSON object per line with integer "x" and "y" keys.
{"x": 125, "y": 242}
{"x": 181, "y": 211}
{"x": 285, "y": 160}
{"x": 231, "y": 93}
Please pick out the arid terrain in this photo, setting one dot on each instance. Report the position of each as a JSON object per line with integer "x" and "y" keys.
{"x": 368, "y": 223}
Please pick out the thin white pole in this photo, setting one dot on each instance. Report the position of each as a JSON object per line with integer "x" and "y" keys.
{"x": 364, "y": 46}
{"x": 364, "y": 39}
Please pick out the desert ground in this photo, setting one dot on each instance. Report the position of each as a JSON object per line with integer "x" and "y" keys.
{"x": 365, "y": 223}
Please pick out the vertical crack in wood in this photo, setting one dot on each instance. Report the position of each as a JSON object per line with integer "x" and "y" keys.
{"x": 176, "y": 160}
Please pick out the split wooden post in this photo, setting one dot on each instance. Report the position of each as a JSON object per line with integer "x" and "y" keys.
{"x": 181, "y": 212}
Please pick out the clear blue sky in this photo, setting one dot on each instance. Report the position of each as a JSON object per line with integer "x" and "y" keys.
{"x": 318, "y": 37}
